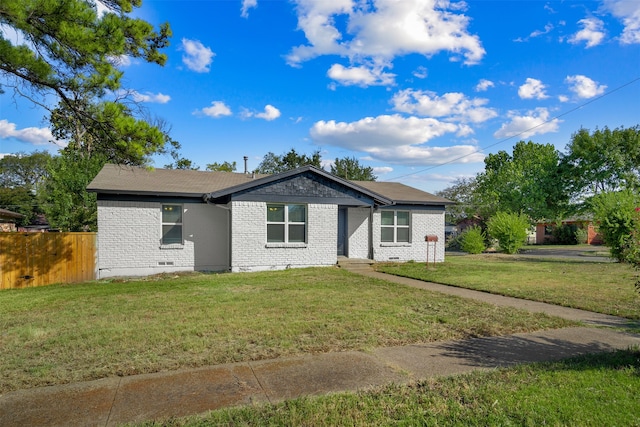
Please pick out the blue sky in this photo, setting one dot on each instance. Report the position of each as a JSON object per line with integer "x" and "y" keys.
{"x": 420, "y": 90}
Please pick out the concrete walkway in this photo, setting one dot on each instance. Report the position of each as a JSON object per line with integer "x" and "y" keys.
{"x": 113, "y": 401}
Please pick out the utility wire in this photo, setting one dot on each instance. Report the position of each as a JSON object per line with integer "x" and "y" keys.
{"x": 591, "y": 101}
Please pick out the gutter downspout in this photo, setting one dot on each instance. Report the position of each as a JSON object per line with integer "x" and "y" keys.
{"x": 371, "y": 232}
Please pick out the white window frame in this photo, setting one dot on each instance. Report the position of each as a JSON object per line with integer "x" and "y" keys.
{"x": 395, "y": 226}
{"x": 286, "y": 223}
{"x": 163, "y": 224}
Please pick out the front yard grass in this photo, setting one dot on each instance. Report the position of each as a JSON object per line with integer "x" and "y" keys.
{"x": 66, "y": 333}
{"x": 603, "y": 287}
{"x": 594, "y": 390}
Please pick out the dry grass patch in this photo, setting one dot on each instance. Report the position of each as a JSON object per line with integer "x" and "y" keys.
{"x": 61, "y": 334}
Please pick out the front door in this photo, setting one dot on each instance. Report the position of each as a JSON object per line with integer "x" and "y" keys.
{"x": 342, "y": 231}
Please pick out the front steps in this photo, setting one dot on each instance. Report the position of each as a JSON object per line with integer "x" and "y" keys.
{"x": 355, "y": 263}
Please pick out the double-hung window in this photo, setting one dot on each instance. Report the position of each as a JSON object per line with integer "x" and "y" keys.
{"x": 286, "y": 223}
{"x": 171, "y": 224}
{"x": 396, "y": 227}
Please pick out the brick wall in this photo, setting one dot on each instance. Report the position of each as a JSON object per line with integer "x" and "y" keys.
{"x": 251, "y": 252}
{"x": 129, "y": 239}
{"x": 423, "y": 222}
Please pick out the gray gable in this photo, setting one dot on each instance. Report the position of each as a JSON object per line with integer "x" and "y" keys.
{"x": 305, "y": 187}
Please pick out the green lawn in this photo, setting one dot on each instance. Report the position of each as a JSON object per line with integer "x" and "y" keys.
{"x": 61, "y": 334}
{"x": 595, "y": 390}
{"x": 603, "y": 287}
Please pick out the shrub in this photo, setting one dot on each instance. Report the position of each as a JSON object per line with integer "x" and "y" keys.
{"x": 582, "y": 235}
{"x": 565, "y": 234}
{"x": 472, "y": 240}
{"x": 614, "y": 214}
{"x": 509, "y": 229}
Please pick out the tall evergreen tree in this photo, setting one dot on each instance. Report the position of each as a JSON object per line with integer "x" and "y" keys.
{"x": 65, "y": 51}
{"x": 350, "y": 168}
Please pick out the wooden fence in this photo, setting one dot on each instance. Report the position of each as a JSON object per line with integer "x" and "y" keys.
{"x": 39, "y": 259}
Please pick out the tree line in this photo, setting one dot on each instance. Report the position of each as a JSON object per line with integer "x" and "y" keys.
{"x": 547, "y": 185}
{"x": 597, "y": 178}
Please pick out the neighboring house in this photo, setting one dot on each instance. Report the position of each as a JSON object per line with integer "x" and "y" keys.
{"x": 8, "y": 220}
{"x": 544, "y": 231}
{"x": 152, "y": 221}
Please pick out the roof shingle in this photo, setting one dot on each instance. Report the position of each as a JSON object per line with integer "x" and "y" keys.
{"x": 114, "y": 179}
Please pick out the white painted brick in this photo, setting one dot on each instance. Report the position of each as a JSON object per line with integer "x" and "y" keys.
{"x": 249, "y": 249}
{"x": 129, "y": 239}
{"x": 423, "y": 222}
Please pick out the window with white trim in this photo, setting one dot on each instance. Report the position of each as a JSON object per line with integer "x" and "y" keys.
{"x": 286, "y": 223}
{"x": 171, "y": 224}
{"x": 395, "y": 226}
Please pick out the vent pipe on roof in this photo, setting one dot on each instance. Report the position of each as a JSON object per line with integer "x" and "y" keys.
{"x": 246, "y": 170}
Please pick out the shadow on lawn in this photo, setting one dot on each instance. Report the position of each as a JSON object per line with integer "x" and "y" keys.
{"x": 512, "y": 350}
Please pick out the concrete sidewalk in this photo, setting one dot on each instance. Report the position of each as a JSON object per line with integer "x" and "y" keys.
{"x": 113, "y": 401}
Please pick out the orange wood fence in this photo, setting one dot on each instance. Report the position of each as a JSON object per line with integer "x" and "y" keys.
{"x": 39, "y": 259}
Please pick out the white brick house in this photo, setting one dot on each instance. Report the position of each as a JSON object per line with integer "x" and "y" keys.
{"x": 153, "y": 221}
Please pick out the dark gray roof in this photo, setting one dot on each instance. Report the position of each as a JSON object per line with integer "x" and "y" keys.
{"x": 403, "y": 194}
{"x": 114, "y": 179}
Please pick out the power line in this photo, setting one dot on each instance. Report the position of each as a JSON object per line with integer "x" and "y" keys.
{"x": 592, "y": 100}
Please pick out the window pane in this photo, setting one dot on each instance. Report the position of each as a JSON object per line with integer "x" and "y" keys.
{"x": 171, "y": 234}
{"x": 172, "y": 213}
{"x": 275, "y": 213}
{"x": 387, "y": 217}
{"x": 386, "y": 234}
{"x": 403, "y": 234}
{"x": 275, "y": 232}
{"x": 296, "y": 213}
{"x": 402, "y": 218}
{"x": 296, "y": 233}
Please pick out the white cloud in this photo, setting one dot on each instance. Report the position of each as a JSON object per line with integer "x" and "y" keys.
{"x": 453, "y": 105}
{"x": 628, "y": 11}
{"x": 547, "y": 29}
{"x": 563, "y": 98}
{"x": 197, "y": 57}
{"x": 217, "y": 109}
{"x": 394, "y": 139}
{"x": 592, "y": 32}
{"x": 270, "y": 113}
{"x": 121, "y": 60}
{"x": 382, "y": 170}
{"x": 31, "y": 135}
{"x": 377, "y": 31}
{"x": 360, "y": 76}
{"x": 101, "y": 9}
{"x": 157, "y": 98}
{"x": 246, "y": 5}
{"x": 532, "y": 89}
{"x": 584, "y": 87}
{"x": 421, "y": 72}
{"x": 535, "y": 122}
{"x": 484, "y": 85}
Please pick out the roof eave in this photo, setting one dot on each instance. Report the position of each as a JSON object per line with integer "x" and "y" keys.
{"x": 145, "y": 193}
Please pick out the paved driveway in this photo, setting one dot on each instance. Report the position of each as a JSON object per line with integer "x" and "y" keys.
{"x": 579, "y": 253}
